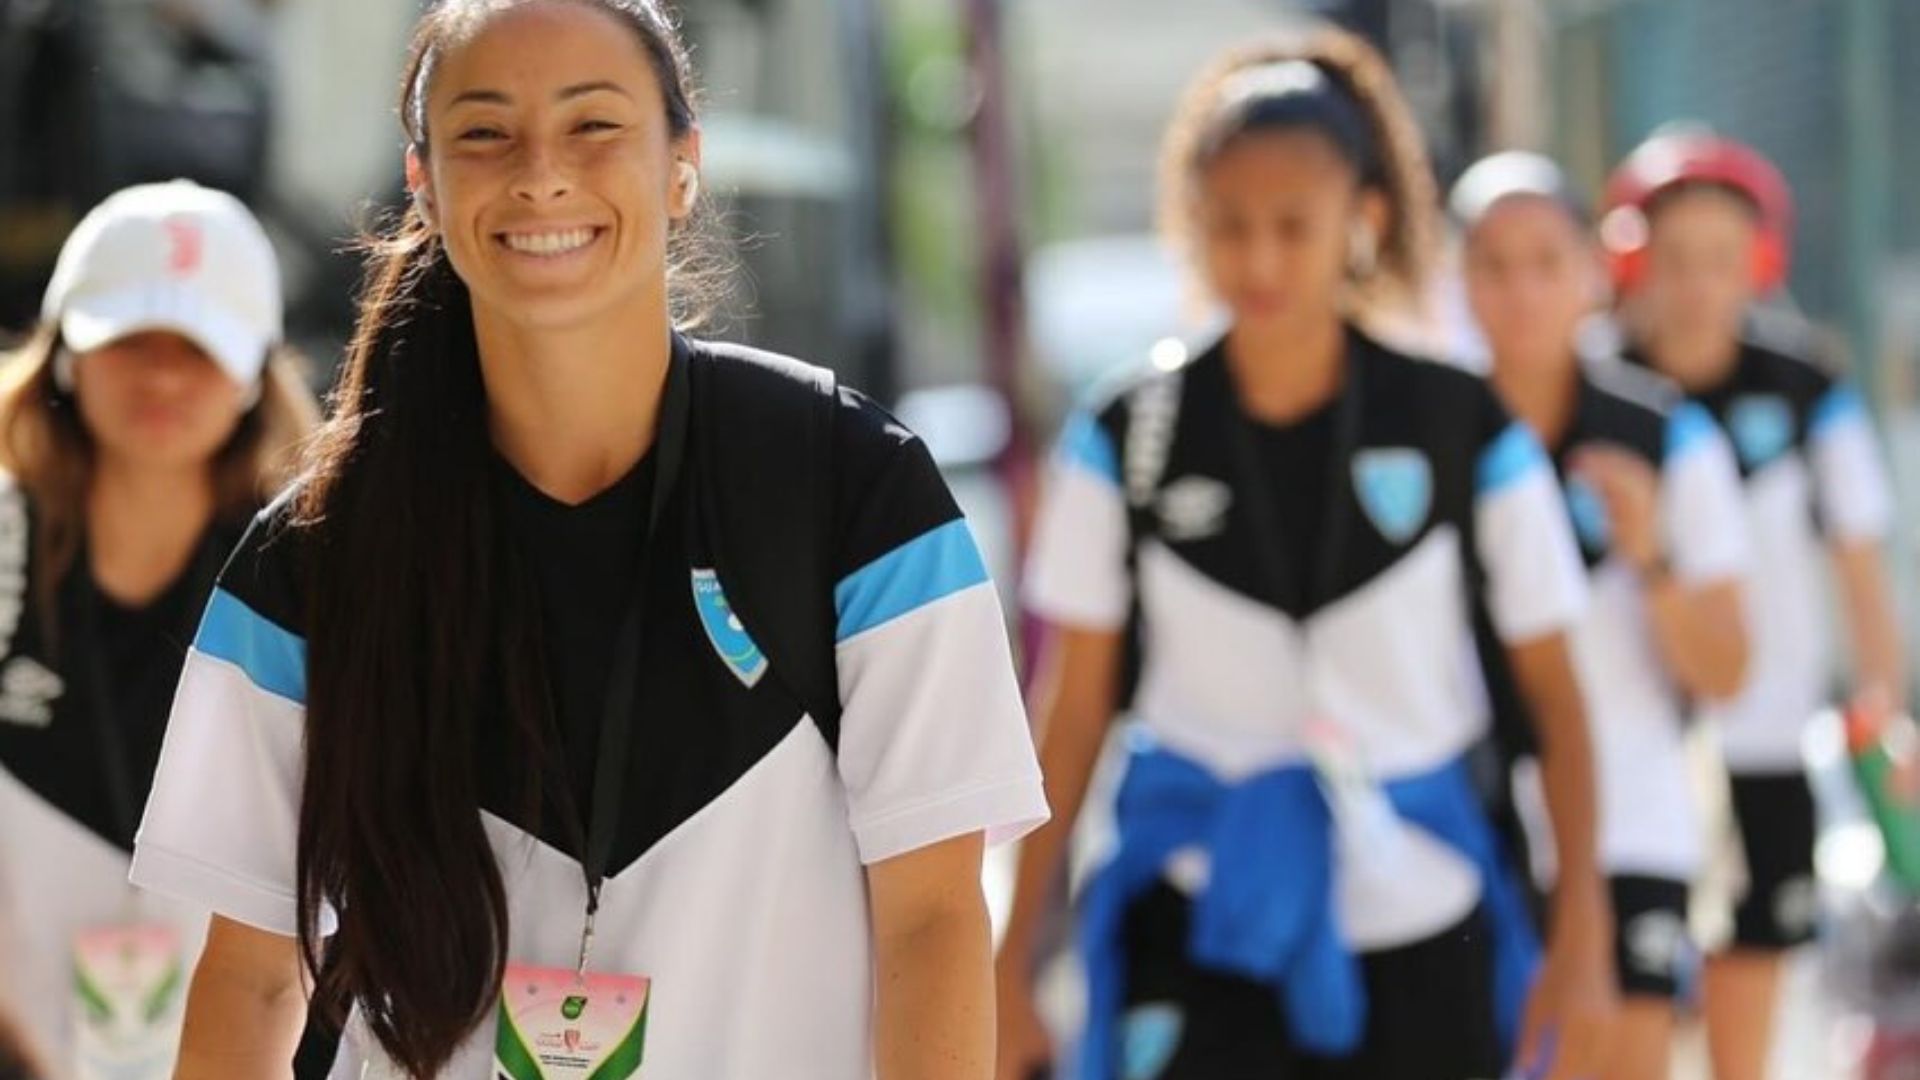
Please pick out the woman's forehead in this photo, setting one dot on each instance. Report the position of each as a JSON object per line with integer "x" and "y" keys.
{"x": 155, "y": 341}
{"x": 538, "y": 51}
{"x": 1703, "y": 209}
{"x": 1291, "y": 154}
{"x": 1526, "y": 217}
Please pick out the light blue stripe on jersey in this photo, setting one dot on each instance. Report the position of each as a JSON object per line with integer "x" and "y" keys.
{"x": 274, "y": 659}
{"x": 1842, "y": 404}
{"x": 1509, "y": 459}
{"x": 1084, "y": 443}
{"x": 937, "y": 564}
{"x": 1689, "y": 427}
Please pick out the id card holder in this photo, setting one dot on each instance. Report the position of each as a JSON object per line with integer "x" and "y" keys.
{"x": 563, "y": 1024}
{"x": 129, "y": 999}
{"x": 1363, "y": 814}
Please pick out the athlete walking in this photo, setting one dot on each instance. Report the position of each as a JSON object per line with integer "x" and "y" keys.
{"x": 1698, "y": 232}
{"x": 1654, "y": 496}
{"x": 1305, "y": 883}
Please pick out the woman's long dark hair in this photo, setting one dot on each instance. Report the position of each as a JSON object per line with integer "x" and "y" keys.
{"x": 417, "y": 627}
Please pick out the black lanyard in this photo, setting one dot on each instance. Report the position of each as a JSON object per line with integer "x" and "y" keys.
{"x": 623, "y": 679}
{"x": 1274, "y": 549}
{"x": 124, "y": 795}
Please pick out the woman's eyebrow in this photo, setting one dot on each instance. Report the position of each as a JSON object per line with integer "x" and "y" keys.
{"x": 498, "y": 97}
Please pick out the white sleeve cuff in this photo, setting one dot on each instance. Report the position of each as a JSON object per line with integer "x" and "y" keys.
{"x": 184, "y": 877}
{"x": 1005, "y": 811}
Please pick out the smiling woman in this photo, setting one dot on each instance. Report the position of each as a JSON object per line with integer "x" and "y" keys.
{"x": 493, "y": 150}
{"x": 490, "y": 708}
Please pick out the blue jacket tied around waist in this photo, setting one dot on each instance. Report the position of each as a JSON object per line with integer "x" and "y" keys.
{"x": 1266, "y": 913}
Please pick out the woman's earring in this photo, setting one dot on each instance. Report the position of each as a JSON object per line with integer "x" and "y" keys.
{"x": 1363, "y": 251}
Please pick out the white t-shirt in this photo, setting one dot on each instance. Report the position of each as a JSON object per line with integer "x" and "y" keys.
{"x": 738, "y": 883}
{"x": 1813, "y": 478}
{"x": 1650, "y": 820}
{"x": 1231, "y": 675}
{"x": 64, "y": 845}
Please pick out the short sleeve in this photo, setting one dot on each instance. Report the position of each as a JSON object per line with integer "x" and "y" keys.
{"x": 1851, "y": 487}
{"x": 222, "y": 821}
{"x": 1703, "y": 513}
{"x": 1535, "y": 582}
{"x": 1077, "y": 569}
{"x": 934, "y": 741}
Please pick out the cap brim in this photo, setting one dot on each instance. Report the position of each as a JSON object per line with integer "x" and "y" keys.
{"x": 1494, "y": 180}
{"x": 93, "y": 322}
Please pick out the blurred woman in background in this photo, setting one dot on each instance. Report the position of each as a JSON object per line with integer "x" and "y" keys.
{"x": 1698, "y": 234}
{"x": 141, "y": 426}
{"x": 1306, "y": 884}
{"x": 1653, "y": 495}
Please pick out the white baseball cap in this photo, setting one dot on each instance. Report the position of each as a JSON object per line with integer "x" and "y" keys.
{"x": 174, "y": 256}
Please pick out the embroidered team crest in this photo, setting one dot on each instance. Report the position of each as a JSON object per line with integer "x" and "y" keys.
{"x": 1395, "y": 488}
{"x": 724, "y": 630}
{"x": 1589, "y": 515}
{"x": 1149, "y": 1036}
{"x": 1762, "y": 428}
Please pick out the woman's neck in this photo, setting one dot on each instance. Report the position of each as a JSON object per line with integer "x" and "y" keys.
{"x": 1284, "y": 375}
{"x": 1697, "y": 361}
{"x": 574, "y": 410}
{"x": 1541, "y": 391}
{"x": 144, "y": 525}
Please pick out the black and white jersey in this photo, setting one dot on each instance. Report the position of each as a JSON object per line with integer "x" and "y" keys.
{"x": 1813, "y": 478}
{"x": 737, "y": 881}
{"x": 64, "y": 851}
{"x": 1437, "y": 476}
{"x": 1650, "y": 823}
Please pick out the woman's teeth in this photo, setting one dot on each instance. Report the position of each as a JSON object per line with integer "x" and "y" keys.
{"x": 552, "y": 243}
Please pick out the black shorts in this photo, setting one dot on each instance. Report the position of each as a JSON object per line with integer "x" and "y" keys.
{"x": 1653, "y": 949}
{"x": 1430, "y": 1011}
{"x": 1774, "y": 815}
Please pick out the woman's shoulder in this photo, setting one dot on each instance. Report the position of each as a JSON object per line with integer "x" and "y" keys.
{"x": 1432, "y": 395}
{"x": 1178, "y": 376}
{"x": 767, "y": 398}
{"x": 1786, "y": 354}
{"x": 268, "y": 562}
{"x": 761, "y": 376}
{"x": 1396, "y": 361}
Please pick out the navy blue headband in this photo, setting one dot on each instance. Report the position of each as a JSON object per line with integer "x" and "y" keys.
{"x": 1295, "y": 94}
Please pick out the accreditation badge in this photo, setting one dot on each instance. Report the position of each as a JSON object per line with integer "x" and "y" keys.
{"x": 561, "y": 1024}
{"x": 129, "y": 998}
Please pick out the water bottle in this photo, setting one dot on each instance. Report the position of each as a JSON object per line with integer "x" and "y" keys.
{"x": 1885, "y": 750}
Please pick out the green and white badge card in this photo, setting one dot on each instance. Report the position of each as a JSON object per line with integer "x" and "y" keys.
{"x": 129, "y": 999}
{"x": 560, "y": 1024}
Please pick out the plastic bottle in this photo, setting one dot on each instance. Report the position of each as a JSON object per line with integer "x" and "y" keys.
{"x": 1885, "y": 750}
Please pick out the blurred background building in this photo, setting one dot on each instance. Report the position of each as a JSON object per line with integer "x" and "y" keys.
{"x": 951, "y": 200}
{"x": 842, "y": 132}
